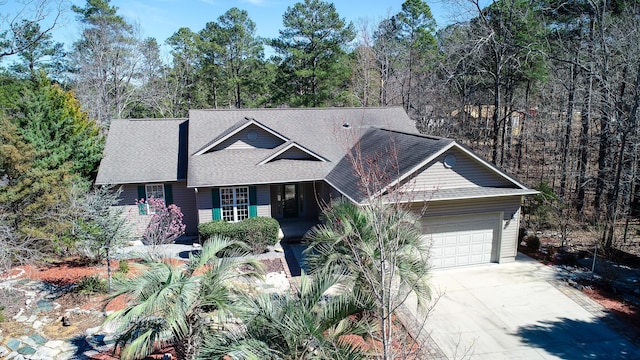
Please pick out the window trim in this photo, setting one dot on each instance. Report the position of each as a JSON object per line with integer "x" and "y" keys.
{"x": 234, "y": 205}
{"x": 151, "y": 211}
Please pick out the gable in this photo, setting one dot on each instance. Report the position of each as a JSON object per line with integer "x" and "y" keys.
{"x": 295, "y": 153}
{"x": 292, "y": 151}
{"x": 455, "y": 169}
{"x": 250, "y": 137}
{"x": 378, "y": 158}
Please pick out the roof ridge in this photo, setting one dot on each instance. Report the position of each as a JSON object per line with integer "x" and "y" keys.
{"x": 299, "y": 109}
{"x": 150, "y": 119}
{"x": 430, "y": 137}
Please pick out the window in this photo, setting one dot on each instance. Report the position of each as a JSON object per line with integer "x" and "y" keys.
{"x": 155, "y": 191}
{"x": 234, "y": 203}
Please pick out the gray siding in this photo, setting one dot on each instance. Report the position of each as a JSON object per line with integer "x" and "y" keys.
{"x": 185, "y": 198}
{"x": 264, "y": 140}
{"x": 508, "y": 204}
{"x": 128, "y": 198}
{"x": 205, "y": 205}
{"x": 510, "y": 229}
{"x": 182, "y": 197}
{"x": 263, "y": 194}
{"x": 466, "y": 173}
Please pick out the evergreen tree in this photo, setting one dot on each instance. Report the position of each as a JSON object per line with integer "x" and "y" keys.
{"x": 47, "y": 146}
{"x": 183, "y": 81}
{"x": 38, "y": 51}
{"x": 415, "y": 27}
{"x": 313, "y": 69}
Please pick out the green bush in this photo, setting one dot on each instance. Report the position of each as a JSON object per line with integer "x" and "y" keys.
{"x": 257, "y": 232}
{"x": 92, "y": 285}
{"x": 123, "y": 266}
{"x": 533, "y": 243}
{"x": 2, "y": 316}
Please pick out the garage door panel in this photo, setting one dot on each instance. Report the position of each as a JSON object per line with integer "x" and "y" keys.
{"x": 461, "y": 240}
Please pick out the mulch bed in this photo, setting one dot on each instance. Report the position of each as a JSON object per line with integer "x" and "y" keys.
{"x": 599, "y": 292}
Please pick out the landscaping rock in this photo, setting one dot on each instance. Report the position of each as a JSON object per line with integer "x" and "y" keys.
{"x": 45, "y": 352}
{"x": 28, "y": 341}
{"x": 44, "y": 305}
{"x": 38, "y": 339}
{"x": 3, "y": 351}
{"x": 14, "y": 356}
{"x": 68, "y": 355}
{"x": 91, "y": 331}
{"x": 54, "y": 344}
{"x": 26, "y": 350}
{"x": 13, "y": 344}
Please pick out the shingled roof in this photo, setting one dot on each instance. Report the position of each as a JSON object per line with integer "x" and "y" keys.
{"x": 379, "y": 158}
{"x": 326, "y": 132}
{"x": 342, "y": 146}
{"x": 143, "y": 151}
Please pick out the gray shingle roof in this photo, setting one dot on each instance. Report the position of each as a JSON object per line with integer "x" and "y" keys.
{"x": 462, "y": 193}
{"x": 321, "y": 130}
{"x": 379, "y": 158}
{"x": 158, "y": 150}
{"x": 146, "y": 150}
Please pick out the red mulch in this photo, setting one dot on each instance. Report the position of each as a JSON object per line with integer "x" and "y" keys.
{"x": 600, "y": 293}
{"x": 71, "y": 271}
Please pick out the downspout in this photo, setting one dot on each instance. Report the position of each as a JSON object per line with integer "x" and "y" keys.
{"x": 197, "y": 215}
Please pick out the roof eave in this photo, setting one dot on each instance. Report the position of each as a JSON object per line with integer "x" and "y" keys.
{"x": 253, "y": 183}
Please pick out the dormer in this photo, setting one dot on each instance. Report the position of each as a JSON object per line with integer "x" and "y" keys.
{"x": 246, "y": 134}
{"x": 292, "y": 151}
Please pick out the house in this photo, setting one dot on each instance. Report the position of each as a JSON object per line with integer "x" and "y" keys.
{"x": 287, "y": 163}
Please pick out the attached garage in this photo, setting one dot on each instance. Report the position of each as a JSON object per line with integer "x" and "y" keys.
{"x": 462, "y": 240}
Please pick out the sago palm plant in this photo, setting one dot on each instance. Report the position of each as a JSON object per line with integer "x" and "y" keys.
{"x": 315, "y": 322}
{"x": 381, "y": 250}
{"x": 169, "y": 302}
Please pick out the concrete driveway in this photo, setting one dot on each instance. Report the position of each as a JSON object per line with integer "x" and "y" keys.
{"x": 520, "y": 310}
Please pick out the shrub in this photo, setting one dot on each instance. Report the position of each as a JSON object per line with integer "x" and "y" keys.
{"x": 123, "y": 266}
{"x": 522, "y": 232}
{"x": 258, "y": 232}
{"x": 533, "y": 243}
{"x": 2, "y": 316}
{"x": 92, "y": 285}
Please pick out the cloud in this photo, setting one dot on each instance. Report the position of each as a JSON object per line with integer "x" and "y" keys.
{"x": 254, "y": 2}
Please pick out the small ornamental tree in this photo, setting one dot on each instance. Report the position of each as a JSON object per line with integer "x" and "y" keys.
{"x": 101, "y": 226}
{"x": 165, "y": 225}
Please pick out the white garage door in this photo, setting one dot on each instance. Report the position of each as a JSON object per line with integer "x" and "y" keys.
{"x": 461, "y": 240}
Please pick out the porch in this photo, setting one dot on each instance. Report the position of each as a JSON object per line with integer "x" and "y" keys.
{"x": 294, "y": 230}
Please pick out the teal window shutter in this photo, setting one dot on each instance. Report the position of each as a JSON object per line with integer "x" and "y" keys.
{"x": 216, "y": 212}
{"x": 253, "y": 202}
{"x": 168, "y": 194}
{"x": 142, "y": 194}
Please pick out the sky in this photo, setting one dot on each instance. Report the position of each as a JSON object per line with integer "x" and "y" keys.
{"x": 162, "y": 18}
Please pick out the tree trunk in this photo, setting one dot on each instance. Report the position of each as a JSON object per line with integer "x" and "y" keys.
{"x": 108, "y": 256}
{"x": 566, "y": 144}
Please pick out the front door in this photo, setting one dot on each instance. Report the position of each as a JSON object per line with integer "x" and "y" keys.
{"x": 289, "y": 200}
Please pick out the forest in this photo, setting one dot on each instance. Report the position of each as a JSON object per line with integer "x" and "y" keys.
{"x": 546, "y": 90}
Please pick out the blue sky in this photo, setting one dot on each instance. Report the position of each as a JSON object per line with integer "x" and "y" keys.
{"x": 161, "y": 18}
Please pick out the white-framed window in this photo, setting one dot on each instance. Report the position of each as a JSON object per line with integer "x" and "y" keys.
{"x": 234, "y": 203}
{"x": 155, "y": 191}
